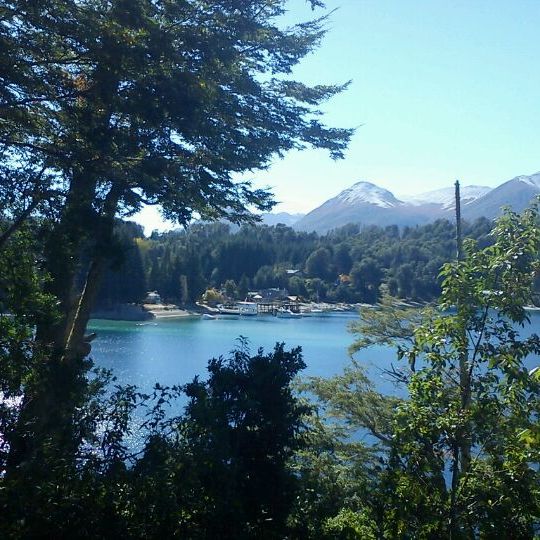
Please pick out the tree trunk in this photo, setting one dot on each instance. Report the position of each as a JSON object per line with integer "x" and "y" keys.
{"x": 46, "y": 429}
{"x": 75, "y": 343}
{"x": 45, "y": 432}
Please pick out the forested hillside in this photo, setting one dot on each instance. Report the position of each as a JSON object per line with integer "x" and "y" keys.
{"x": 346, "y": 265}
{"x": 111, "y": 105}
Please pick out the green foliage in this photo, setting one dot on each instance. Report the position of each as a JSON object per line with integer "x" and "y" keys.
{"x": 334, "y": 475}
{"x": 341, "y": 469}
{"x": 366, "y": 278}
{"x": 242, "y": 427}
{"x": 351, "y": 400}
{"x": 162, "y": 130}
{"x": 231, "y": 289}
{"x": 22, "y": 306}
{"x": 390, "y": 323}
{"x": 217, "y": 471}
{"x": 124, "y": 281}
{"x": 474, "y": 397}
{"x": 212, "y": 297}
{"x": 108, "y": 106}
{"x": 318, "y": 264}
{"x": 407, "y": 262}
{"x": 459, "y": 458}
{"x": 349, "y": 525}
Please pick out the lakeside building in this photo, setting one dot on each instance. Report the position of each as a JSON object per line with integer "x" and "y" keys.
{"x": 152, "y": 297}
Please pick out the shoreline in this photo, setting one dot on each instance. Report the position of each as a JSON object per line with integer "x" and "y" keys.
{"x": 173, "y": 314}
{"x": 143, "y": 312}
{"x": 169, "y": 311}
{"x": 147, "y": 312}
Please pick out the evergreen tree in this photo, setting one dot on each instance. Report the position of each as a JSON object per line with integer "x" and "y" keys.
{"x": 122, "y": 104}
{"x": 124, "y": 281}
{"x": 318, "y": 264}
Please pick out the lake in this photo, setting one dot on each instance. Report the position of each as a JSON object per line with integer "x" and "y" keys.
{"x": 173, "y": 351}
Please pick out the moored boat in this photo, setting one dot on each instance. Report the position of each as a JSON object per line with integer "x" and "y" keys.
{"x": 228, "y": 309}
{"x": 313, "y": 312}
{"x": 247, "y": 308}
{"x": 284, "y": 313}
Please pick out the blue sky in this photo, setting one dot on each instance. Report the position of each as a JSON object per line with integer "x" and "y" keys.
{"x": 440, "y": 90}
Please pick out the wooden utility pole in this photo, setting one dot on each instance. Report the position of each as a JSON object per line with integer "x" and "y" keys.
{"x": 462, "y": 447}
{"x": 459, "y": 237}
{"x": 464, "y": 368}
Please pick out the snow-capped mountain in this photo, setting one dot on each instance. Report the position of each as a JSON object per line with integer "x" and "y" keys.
{"x": 365, "y": 203}
{"x": 368, "y": 193}
{"x": 532, "y": 180}
{"x": 446, "y": 196}
{"x": 516, "y": 193}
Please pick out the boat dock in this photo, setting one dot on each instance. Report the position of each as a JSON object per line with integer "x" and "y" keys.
{"x": 272, "y": 308}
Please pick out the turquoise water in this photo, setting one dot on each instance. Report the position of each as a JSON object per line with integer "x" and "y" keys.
{"x": 176, "y": 350}
{"x": 173, "y": 351}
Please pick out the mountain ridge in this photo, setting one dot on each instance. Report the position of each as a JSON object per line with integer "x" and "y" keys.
{"x": 366, "y": 203}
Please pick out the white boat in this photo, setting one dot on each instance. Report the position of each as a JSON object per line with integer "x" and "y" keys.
{"x": 313, "y": 311}
{"x": 208, "y": 317}
{"x": 283, "y": 313}
{"x": 228, "y": 309}
{"x": 247, "y": 308}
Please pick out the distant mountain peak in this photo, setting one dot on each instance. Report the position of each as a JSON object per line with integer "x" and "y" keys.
{"x": 285, "y": 218}
{"x": 446, "y": 196}
{"x": 365, "y": 203}
{"x": 368, "y": 193}
{"x": 531, "y": 180}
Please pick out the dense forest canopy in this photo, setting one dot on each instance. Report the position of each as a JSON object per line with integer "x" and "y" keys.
{"x": 346, "y": 265}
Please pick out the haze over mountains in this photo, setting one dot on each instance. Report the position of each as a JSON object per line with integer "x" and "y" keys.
{"x": 281, "y": 217}
{"x": 368, "y": 204}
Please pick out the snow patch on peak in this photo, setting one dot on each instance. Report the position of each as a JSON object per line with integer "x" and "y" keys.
{"x": 532, "y": 180}
{"x": 446, "y": 196}
{"x": 368, "y": 193}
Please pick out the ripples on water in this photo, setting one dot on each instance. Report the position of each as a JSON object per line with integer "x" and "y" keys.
{"x": 174, "y": 351}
